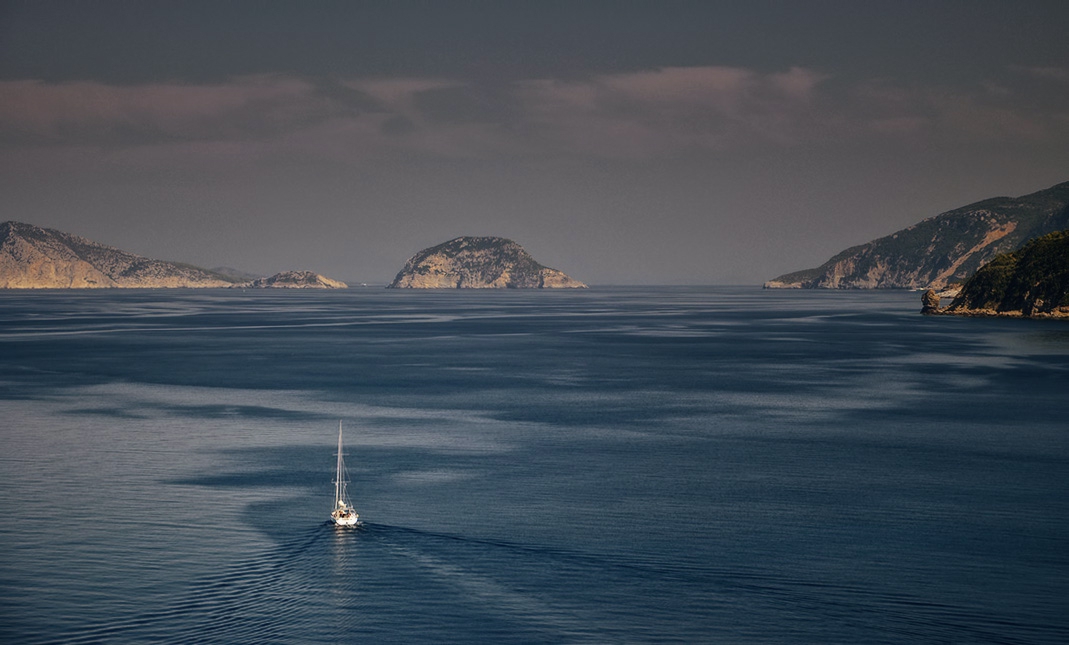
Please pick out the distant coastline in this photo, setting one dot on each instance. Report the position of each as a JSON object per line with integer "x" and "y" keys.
{"x": 941, "y": 251}
{"x": 32, "y": 257}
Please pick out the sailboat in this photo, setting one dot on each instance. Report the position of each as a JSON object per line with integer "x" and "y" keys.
{"x": 343, "y": 513}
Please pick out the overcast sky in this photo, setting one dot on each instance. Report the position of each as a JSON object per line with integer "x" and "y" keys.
{"x": 621, "y": 142}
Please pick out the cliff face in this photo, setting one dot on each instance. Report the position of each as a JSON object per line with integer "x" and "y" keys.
{"x": 1032, "y": 282}
{"x": 295, "y": 280}
{"x": 39, "y": 258}
{"x": 479, "y": 263}
{"x": 941, "y": 250}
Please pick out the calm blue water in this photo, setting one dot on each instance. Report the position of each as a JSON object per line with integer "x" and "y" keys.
{"x": 615, "y": 465}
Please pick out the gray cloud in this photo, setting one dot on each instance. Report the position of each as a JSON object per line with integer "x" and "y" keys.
{"x": 637, "y": 115}
{"x": 1050, "y": 73}
{"x": 75, "y": 113}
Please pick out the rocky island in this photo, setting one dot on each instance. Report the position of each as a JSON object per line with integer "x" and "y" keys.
{"x": 295, "y": 280}
{"x": 1032, "y": 282}
{"x": 942, "y": 250}
{"x": 32, "y": 257}
{"x": 479, "y": 263}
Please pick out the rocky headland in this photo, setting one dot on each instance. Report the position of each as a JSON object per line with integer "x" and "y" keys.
{"x": 1032, "y": 282}
{"x": 479, "y": 263}
{"x": 32, "y": 257}
{"x": 41, "y": 258}
{"x": 942, "y": 250}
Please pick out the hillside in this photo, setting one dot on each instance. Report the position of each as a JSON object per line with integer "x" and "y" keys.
{"x": 940, "y": 250}
{"x": 40, "y": 258}
{"x": 32, "y": 257}
{"x": 479, "y": 263}
{"x": 1032, "y": 281}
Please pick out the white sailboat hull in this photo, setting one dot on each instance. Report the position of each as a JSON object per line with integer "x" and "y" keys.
{"x": 349, "y": 520}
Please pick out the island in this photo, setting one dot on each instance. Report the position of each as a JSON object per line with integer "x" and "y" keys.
{"x": 295, "y": 280}
{"x": 479, "y": 263}
{"x": 32, "y": 257}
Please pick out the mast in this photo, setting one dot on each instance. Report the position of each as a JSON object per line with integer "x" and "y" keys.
{"x": 337, "y": 477}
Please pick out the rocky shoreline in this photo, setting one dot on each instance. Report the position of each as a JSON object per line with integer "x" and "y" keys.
{"x": 1032, "y": 282}
{"x": 930, "y": 307}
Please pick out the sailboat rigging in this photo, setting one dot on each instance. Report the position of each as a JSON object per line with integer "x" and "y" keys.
{"x": 343, "y": 513}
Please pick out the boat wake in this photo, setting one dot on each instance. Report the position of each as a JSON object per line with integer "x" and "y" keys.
{"x": 388, "y": 582}
{"x": 255, "y": 600}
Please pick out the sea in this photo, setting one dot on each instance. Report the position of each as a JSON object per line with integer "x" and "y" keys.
{"x": 611, "y": 465}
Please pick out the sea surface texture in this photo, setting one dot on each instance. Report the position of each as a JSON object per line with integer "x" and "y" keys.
{"x": 632, "y": 465}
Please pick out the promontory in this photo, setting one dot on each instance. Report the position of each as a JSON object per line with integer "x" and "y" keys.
{"x": 1031, "y": 282}
{"x": 42, "y": 258}
{"x": 479, "y": 263}
{"x": 32, "y": 257}
{"x": 941, "y": 250}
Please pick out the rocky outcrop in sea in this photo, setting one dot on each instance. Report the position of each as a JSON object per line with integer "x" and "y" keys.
{"x": 479, "y": 263}
{"x": 295, "y": 280}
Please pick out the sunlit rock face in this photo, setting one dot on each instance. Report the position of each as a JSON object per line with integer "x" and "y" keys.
{"x": 40, "y": 258}
{"x": 479, "y": 263}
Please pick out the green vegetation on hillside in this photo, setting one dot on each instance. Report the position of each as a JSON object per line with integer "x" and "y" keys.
{"x": 1033, "y": 279}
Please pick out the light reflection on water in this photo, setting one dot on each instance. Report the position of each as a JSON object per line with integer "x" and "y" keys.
{"x": 637, "y": 465}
